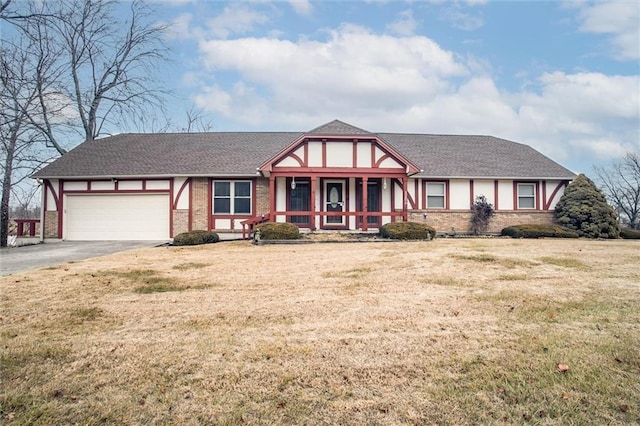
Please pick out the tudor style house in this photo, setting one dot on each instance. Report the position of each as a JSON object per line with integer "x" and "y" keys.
{"x": 335, "y": 177}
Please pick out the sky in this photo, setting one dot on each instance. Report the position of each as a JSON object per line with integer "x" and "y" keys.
{"x": 562, "y": 77}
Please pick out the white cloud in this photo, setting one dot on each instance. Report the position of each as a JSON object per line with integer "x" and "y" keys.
{"x": 174, "y": 2}
{"x": 410, "y": 84}
{"x": 235, "y": 19}
{"x": 180, "y": 27}
{"x": 353, "y": 62}
{"x": 404, "y": 24}
{"x": 301, "y": 7}
{"x": 618, "y": 19}
{"x": 462, "y": 20}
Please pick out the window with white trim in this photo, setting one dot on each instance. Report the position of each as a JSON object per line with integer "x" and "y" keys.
{"x": 526, "y": 195}
{"x": 232, "y": 197}
{"x": 436, "y": 195}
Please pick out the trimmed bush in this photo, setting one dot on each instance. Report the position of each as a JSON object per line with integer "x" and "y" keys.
{"x": 584, "y": 209}
{"x": 278, "y": 231}
{"x": 630, "y": 233}
{"x": 194, "y": 238}
{"x": 538, "y": 231}
{"x": 407, "y": 231}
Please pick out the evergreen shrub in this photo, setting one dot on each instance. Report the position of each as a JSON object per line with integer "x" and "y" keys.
{"x": 538, "y": 231}
{"x": 584, "y": 209}
{"x": 407, "y": 231}
{"x": 194, "y": 238}
{"x": 630, "y": 233}
{"x": 278, "y": 231}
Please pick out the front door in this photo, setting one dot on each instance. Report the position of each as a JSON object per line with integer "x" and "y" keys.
{"x": 334, "y": 191}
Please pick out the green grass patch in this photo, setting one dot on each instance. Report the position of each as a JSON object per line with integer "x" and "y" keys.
{"x": 149, "y": 281}
{"x": 565, "y": 262}
{"x": 482, "y": 258}
{"x": 161, "y": 287}
{"x": 190, "y": 265}
{"x": 486, "y": 258}
{"x": 351, "y": 273}
{"x": 444, "y": 281}
{"x": 20, "y": 355}
{"x": 86, "y": 314}
{"x": 157, "y": 288}
{"x": 513, "y": 277}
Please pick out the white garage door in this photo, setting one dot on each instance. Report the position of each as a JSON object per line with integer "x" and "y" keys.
{"x": 116, "y": 217}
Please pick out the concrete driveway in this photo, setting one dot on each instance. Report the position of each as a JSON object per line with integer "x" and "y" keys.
{"x": 25, "y": 258}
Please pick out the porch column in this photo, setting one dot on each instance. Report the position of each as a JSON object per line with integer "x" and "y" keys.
{"x": 272, "y": 198}
{"x": 312, "y": 219}
{"x": 365, "y": 205}
{"x": 405, "y": 182}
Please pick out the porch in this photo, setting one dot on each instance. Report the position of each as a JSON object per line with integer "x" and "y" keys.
{"x": 334, "y": 203}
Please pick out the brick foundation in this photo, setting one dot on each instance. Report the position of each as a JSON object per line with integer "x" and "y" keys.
{"x": 460, "y": 221}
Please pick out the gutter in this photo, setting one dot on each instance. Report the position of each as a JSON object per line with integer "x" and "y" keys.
{"x": 497, "y": 177}
{"x": 167, "y": 176}
{"x": 43, "y": 194}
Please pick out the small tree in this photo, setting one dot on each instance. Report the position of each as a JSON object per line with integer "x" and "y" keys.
{"x": 481, "y": 213}
{"x": 584, "y": 209}
{"x": 620, "y": 182}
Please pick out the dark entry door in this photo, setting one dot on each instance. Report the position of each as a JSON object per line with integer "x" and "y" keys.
{"x": 373, "y": 201}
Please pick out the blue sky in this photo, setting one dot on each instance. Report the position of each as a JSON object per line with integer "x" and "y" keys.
{"x": 563, "y": 77}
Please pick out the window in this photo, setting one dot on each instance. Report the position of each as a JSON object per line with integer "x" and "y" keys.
{"x": 436, "y": 195}
{"x": 526, "y": 196}
{"x": 232, "y": 197}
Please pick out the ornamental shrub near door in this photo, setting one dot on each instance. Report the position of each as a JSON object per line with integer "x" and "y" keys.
{"x": 407, "y": 231}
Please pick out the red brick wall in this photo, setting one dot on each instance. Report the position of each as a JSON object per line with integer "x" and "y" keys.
{"x": 460, "y": 221}
{"x": 262, "y": 196}
{"x": 200, "y": 203}
{"x": 180, "y": 221}
{"x": 51, "y": 224}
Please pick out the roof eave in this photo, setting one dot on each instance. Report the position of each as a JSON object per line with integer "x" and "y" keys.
{"x": 154, "y": 176}
{"x": 422, "y": 176}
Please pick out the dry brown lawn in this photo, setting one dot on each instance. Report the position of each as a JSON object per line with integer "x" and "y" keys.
{"x": 452, "y": 331}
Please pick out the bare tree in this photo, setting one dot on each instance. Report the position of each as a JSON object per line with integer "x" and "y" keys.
{"x": 109, "y": 64}
{"x": 18, "y": 139}
{"x": 195, "y": 120}
{"x": 85, "y": 73}
{"x": 620, "y": 182}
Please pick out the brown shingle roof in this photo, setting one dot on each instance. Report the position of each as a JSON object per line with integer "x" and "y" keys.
{"x": 240, "y": 153}
{"x": 474, "y": 156}
{"x": 337, "y": 127}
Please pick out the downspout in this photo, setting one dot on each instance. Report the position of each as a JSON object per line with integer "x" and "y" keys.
{"x": 43, "y": 194}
